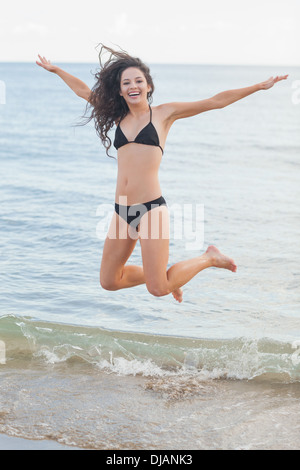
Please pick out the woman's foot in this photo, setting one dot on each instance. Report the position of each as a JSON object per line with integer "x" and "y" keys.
{"x": 219, "y": 260}
{"x": 177, "y": 294}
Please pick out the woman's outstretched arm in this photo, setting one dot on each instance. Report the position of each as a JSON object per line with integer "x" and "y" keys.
{"x": 225, "y": 98}
{"x": 77, "y": 85}
{"x": 228, "y": 97}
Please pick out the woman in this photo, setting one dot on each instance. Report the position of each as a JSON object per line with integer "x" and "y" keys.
{"x": 121, "y": 97}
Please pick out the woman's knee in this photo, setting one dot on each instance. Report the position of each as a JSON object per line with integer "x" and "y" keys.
{"x": 108, "y": 283}
{"x": 158, "y": 290}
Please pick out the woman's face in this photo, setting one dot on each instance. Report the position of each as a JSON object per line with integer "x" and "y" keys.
{"x": 134, "y": 86}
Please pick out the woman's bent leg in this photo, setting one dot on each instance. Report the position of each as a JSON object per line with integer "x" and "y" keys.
{"x": 155, "y": 254}
{"x": 118, "y": 247}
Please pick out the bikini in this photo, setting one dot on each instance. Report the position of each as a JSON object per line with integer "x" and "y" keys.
{"x": 147, "y": 136}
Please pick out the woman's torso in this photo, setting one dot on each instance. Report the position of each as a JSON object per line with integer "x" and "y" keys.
{"x": 138, "y": 164}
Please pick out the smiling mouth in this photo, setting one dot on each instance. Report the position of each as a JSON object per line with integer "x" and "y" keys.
{"x": 134, "y": 94}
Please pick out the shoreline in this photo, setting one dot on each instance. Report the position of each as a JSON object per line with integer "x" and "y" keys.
{"x": 19, "y": 443}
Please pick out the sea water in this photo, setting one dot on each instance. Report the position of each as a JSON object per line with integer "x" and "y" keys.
{"x": 126, "y": 369}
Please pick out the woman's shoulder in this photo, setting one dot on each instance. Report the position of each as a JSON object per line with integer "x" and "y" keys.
{"x": 160, "y": 108}
{"x": 164, "y": 111}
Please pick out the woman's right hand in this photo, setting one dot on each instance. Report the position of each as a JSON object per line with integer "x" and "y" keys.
{"x": 46, "y": 64}
{"x": 77, "y": 85}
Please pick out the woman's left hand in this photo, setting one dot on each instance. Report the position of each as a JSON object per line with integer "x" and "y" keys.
{"x": 271, "y": 81}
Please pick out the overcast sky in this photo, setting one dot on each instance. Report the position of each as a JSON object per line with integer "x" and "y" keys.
{"x": 262, "y": 32}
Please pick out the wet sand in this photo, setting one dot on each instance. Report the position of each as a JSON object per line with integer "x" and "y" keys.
{"x": 64, "y": 407}
{"x": 17, "y": 443}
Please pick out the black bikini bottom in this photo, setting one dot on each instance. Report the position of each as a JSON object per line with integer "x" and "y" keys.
{"x": 133, "y": 214}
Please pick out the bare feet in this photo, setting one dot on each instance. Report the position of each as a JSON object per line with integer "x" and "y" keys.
{"x": 177, "y": 294}
{"x": 219, "y": 260}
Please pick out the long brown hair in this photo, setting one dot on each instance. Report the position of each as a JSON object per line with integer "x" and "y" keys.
{"x": 106, "y": 104}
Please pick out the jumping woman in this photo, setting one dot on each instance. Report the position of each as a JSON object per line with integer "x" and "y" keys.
{"x": 121, "y": 97}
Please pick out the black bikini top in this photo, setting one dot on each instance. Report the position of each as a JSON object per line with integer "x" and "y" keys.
{"x": 147, "y": 136}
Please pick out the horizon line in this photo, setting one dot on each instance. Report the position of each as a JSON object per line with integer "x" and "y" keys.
{"x": 229, "y": 64}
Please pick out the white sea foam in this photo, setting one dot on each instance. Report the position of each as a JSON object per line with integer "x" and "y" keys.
{"x": 149, "y": 355}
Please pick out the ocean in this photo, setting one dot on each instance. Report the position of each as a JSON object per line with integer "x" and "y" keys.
{"x": 125, "y": 370}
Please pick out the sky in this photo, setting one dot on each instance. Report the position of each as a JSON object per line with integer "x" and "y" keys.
{"x": 256, "y": 32}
